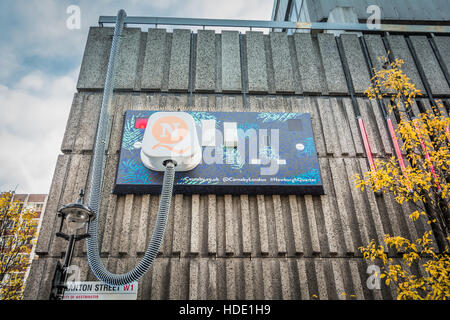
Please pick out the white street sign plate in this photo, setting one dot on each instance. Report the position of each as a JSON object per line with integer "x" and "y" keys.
{"x": 88, "y": 290}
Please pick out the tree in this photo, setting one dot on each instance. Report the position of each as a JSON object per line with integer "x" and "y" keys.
{"x": 422, "y": 182}
{"x": 17, "y": 232}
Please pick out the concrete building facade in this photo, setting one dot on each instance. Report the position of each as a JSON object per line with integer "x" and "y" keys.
{"x": 239, "y": 246}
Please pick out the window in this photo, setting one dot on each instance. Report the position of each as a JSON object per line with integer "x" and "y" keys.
{"x": 8, "y": 224}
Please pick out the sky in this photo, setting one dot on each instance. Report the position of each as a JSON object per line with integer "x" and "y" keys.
{"x": 39, "y": 66}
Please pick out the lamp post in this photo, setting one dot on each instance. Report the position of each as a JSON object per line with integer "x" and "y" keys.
{"x": 77, "y": 215}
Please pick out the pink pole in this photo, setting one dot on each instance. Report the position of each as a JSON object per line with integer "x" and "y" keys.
{"x": 427, "y": 155}
{"x": 395, "y": 142}
{"x": 362, "y": 128}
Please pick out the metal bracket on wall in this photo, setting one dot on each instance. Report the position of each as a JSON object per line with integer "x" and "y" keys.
{"x": 264, "y": 24}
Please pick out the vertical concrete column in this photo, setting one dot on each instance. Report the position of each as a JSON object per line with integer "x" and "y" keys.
{"x": 205, "y": 73}
{"x": 334, "y": 73}
{"x": 308, "y": 63}
{"x": 231, "y": 62}
{"x": 281, "y": 57}
{"x": 443, "y": 45}
{"x": 356, "y": 63}
{"x": 400, "y": 50}
{"x": 179, "y": 60}
{"x": 95, "y": 59}
{"x": 154, "y": 60}
{"x": 431, "y": 69}
{"x": 256, "y": 62}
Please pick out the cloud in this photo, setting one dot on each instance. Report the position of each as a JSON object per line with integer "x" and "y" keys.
{"x": 40, "y": 64}
{"x": 34, "y": 115}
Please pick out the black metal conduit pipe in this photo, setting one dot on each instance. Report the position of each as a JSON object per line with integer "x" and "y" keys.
{"x": 92, "y": 243}
{"x": 191, "y": 71}
{"x": 438, "y": 56}
{"x": 243, "y": 78}
{"x": 382, "y": 106}
{"x": 426, "y": 84}
{"x": 437, "y": 230}
{"x": 441, "y": 62}
{"x": 362, "y": 128}
{"x": 419, "y": 67}
{"x": 434, "y": 106}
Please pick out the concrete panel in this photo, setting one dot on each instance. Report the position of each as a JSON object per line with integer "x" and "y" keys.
{"x": 96, "y": 56}
{"x": 328, "y": 209}
{"x": 354, "y": 129}
{"x": 246, "y": 226}
{"x": 56, "y": 190}
{"x": 432, "y": 70}
{"x": 267, "y": 274}
{"x": 195, "y": 224}
{"x": 155, "y": 60}
{"x": 279, "y": 225}
{"x": 179, "y": 60}
{"x": 343, "y": 198}
{"x": 308, "y": 63}
{"x": 212, "y": 226}
{"x": 72, "y": 123}
{"x": 312, "y": 224}
{"x": 343, "y": 129}
{"x": 331, "y": 62}
{"x": 141, "y": 244}
{"x": 308, "y": 105}
{"x": 256, "y": 62}
{"x": 370, "y": 124}
{"x": 205, "y": 72}
{"x": 338, "y": 280}
{"x": 229, "y": 221}
{"x": 282, "y": 66}
{"x": 356, "y": 63}
{"x": 263, "y": 232}
{"x": 33, "y": 284}
{"x": 376, "y": 49}
{"x": 108, "y": 207}
{"x": 385, "y": 142}
{"x": 126, "y": 221}
{"x": 329, "y": 127}
{"x": 88, "y": 125}
{"x": 296, "y": 227}
{"x": 178, "y": 227}
{"x": 303, "y": 279}
{"x": 95, "y": 59}
{"x": 127, "y": 62}
{"x": 321, "y": 279}
{"x": 231, "y": 62}
{"x": 443, "y": 45}
{"x": 249, "y": 275}
{"x": 231, "y": 279}
{"x": 400, "y": 50}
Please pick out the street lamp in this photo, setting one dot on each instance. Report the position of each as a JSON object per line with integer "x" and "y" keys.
{"x": 77, "y": 215}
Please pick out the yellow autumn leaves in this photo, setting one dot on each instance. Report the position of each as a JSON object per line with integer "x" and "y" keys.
{"x": 432, "y": 282}
{"x": 423, "y": 181}
{"x": 17, "y": 232}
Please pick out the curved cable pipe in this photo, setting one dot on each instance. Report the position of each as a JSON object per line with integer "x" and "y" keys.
{"x": 146, "y": 262}
{"x": 93, "y": 253}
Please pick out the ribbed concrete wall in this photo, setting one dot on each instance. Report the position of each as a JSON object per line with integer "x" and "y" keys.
{"x": 247, "y": 246}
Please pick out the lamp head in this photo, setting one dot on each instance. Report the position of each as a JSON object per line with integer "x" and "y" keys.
{"x": 77, "y": 214}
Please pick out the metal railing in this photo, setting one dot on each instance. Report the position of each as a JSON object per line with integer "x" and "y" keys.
{"x": 264, "y": 24}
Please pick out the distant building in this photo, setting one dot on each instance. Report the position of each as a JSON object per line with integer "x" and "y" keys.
{"x": 35, "y": 202}
{"x": 392, "y": 11}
